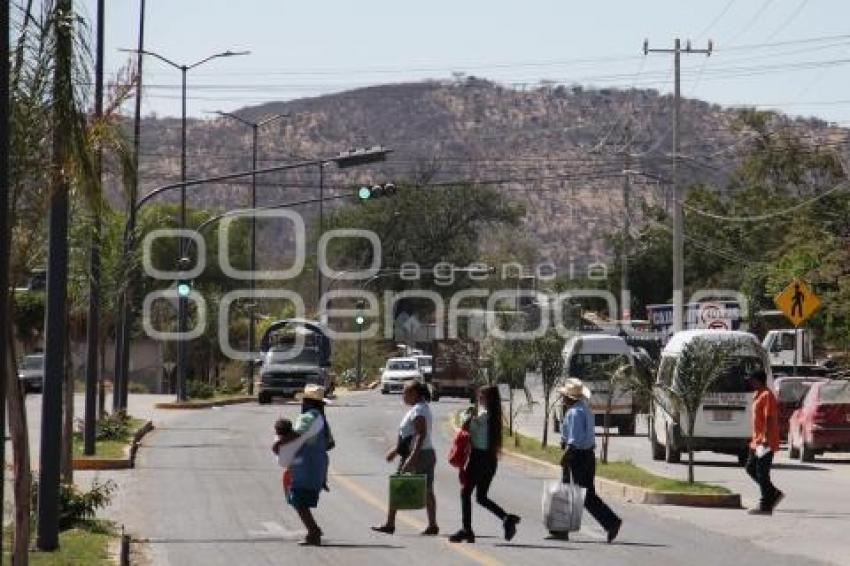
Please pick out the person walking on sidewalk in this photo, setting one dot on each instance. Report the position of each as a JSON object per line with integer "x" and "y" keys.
{"x": 579, "y": 460}
{"x": 416, "y": 452}
{"x": 485, "y": 430}
{"x": 765, "y": 442}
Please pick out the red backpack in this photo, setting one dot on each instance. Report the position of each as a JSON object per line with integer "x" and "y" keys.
{"x": 459, "y": 451}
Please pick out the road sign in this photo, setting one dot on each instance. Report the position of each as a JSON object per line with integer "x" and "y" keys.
{"x": 797, "y": 301}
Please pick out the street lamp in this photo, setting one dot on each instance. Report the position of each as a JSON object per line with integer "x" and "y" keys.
{"x": 255, "y": 130}
{"x": 182, "y": 303}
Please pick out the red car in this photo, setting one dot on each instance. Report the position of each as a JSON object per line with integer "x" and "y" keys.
{"x": 822, "y": 424}
{"x": 790, "y": 392}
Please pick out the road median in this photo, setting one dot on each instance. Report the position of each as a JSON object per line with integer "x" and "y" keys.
{"x": 115, "y": 455}
{"x": 623, "y": 479}
{"x": 207, "y": 403}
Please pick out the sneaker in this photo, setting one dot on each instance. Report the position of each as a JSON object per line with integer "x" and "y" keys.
{"x": 314, "y": 539}
{"x": 510, "y": 524}
{"x": 431, "y": 531}
{"x": 614, "y": 531}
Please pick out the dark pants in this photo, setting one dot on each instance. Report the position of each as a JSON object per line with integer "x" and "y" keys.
{"x": 582, "y": 466}
{"x": 759, "y": 470}
{"x": 479, "y": 473}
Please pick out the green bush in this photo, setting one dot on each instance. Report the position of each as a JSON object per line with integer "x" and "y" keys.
{"x": 232, "y": 378}
{"x": 199, "y": 390}
{"x": 136, "y": 387}
{"x": 78, "y": 507}
{"x": 113, "y": 427}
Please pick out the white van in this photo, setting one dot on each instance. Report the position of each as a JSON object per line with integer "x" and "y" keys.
{"x": 592, "y": 358}
{"x": 723, "y": 422}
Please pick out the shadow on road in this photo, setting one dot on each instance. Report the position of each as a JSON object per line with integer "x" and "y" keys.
{"x": 255, "y": 540}
{"x": 534, "y": 546}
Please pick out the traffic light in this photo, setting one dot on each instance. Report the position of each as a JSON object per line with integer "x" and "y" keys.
{"x": 366, "y": 192}
{"x": 359, "y": 319}
{"x": 184, "y": 288}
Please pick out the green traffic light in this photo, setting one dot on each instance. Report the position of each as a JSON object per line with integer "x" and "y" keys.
{"x": 183, "y": 289}
{"x": 364, "y": 193}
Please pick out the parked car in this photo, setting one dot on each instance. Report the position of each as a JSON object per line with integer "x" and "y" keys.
{"x": 31, "y": 372}
{"x": 822, "y": 423}
{"x": 397, "y": 372}
{"x": 790, "y": 392}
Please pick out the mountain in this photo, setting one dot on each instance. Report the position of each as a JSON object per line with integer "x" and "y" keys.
{"x": 558, "y": 149}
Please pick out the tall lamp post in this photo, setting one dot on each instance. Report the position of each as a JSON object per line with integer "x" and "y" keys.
{"x": 255, "y": 131}
{"x": 182, "y": 307}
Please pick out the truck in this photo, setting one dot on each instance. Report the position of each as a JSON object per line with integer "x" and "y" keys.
{"x": 791, "y": 352}
{"x": 294, "y": 352}
{"x": 455, "y": 368}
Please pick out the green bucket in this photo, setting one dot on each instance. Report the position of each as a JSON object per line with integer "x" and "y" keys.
{"x": 407, "y": 491}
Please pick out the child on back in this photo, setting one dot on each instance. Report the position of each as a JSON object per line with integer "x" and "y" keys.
{"x": 284, "y": 448}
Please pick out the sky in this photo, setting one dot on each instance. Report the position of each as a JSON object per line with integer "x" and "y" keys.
{"x": 791, "y": 55}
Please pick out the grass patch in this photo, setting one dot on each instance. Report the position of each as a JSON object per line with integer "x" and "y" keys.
{"x": 109, "y": 448}
{"x": 85, "y": 545}
{"x": 624, "y": 471}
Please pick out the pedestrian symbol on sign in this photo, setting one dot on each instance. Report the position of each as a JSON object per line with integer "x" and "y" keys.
{"x": 797, "y": 301}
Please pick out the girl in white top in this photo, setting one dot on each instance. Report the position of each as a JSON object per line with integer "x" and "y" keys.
{"x": 415, "y": 433}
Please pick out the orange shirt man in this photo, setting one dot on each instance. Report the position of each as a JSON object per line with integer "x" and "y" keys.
{"x": 764, "y": 443}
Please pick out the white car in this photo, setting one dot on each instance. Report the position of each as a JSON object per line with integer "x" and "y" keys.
{"x": 397, "y": 372}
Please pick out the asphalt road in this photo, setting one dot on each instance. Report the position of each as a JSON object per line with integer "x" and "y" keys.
{"x": 206, "y": 491}
{"x": 812, "y": 521}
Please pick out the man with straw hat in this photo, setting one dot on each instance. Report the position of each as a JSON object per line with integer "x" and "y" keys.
{"x": 579, "y": 461}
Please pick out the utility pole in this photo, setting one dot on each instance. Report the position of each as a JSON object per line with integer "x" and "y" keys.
{"x": 5, "y": 134}
{"x": 678, "y": 215}
{"x": 92, "y": 339}
{"x": 625, "y": 295}
{"x": 57, "y": 276}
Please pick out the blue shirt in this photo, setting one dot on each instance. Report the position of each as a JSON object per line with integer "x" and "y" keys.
{"x": 578, "y": 427}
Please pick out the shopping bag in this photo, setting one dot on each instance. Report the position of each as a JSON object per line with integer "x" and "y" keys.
{"x": 459, "y": 450}
{"x": 563, "y": 504}
{"x": 407, "y": 491}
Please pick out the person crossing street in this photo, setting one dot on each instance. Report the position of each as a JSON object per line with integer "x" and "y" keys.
{"x": 579, "y": 460}
{"x": 765, "y": 442}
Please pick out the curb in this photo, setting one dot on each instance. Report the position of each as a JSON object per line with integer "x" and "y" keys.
{"x": 205, "y": 404}
{"x": 126, "y": 463}
{"x": 641, "y": 495}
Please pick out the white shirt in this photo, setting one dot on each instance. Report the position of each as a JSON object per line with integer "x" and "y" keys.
{"x": 407, "y": 428}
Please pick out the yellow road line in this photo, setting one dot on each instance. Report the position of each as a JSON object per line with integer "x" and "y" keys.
{"x": 461, "y": 548}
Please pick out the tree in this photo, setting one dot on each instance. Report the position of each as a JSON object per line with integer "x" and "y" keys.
{"x": 548, "y": 353}
{"x": 510, "y": 360}
{"x": 701, "y": 363}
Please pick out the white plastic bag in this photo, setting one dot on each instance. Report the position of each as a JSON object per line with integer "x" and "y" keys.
{"x": 563, "y": 504}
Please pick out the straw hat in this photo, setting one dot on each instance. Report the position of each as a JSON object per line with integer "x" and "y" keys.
{"x": 314, "y": 393}
{"x": 574, "y": 389}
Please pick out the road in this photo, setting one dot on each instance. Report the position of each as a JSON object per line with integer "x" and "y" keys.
{"x": 811, "y": 522}
{"x": 206, "y": 491}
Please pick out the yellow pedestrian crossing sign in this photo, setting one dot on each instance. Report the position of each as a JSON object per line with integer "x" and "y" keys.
{"x": 797, "y": 301}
